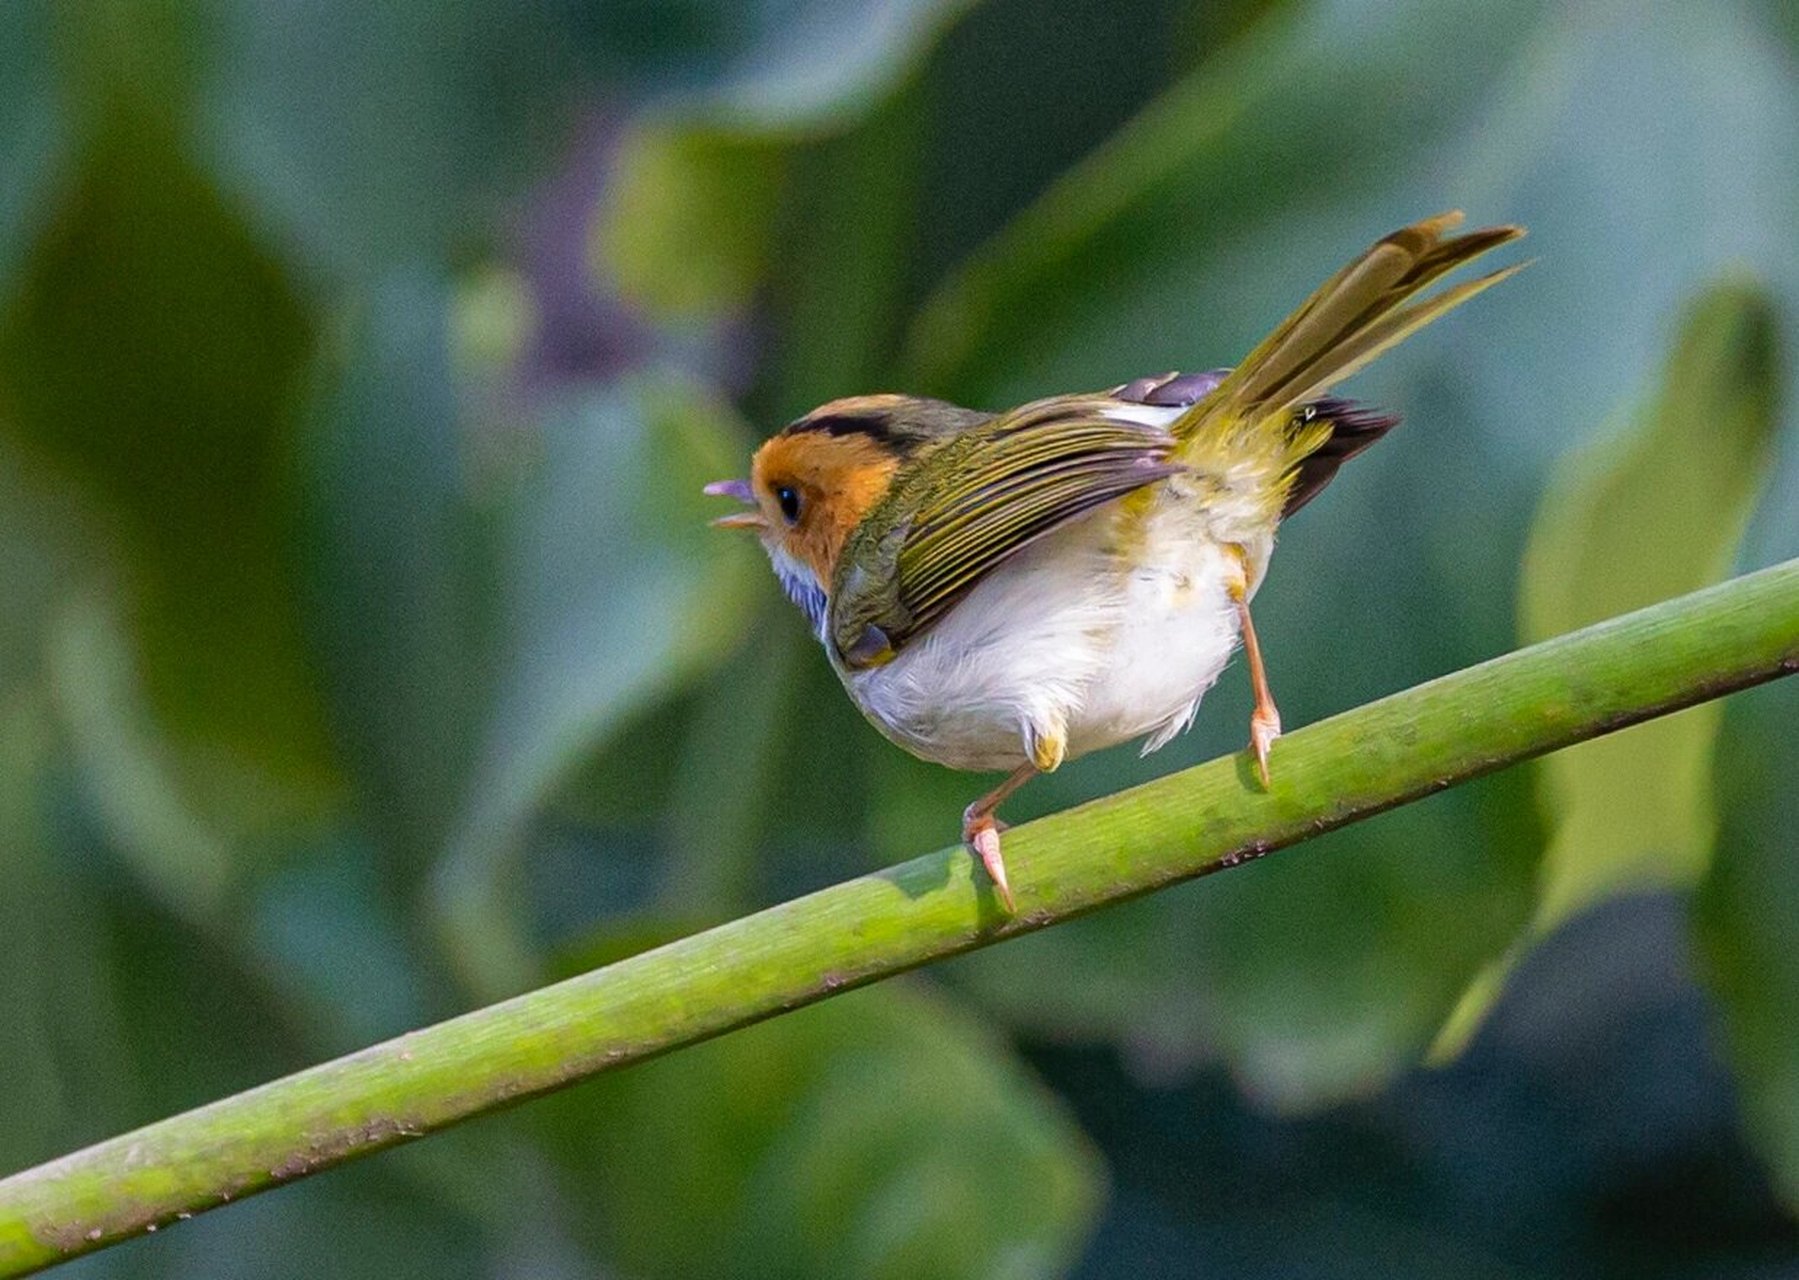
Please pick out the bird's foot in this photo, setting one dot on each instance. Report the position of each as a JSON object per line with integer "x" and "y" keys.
{"x": 1264, "y": 728}
{"x": 980, "y": 832}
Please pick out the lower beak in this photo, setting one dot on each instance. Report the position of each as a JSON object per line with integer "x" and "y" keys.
{"x": 739, "y": 489}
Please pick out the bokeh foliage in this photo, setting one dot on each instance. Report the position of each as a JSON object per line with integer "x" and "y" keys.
{"x": 364, "y": 653}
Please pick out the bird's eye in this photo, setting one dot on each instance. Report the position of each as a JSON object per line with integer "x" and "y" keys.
{"x": 789, "y": 499}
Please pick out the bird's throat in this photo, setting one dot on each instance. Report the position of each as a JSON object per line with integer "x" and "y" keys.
{"x": 802, "y": 587}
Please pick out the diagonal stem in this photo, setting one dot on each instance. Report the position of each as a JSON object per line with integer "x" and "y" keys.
{"x": 1189, "y": 824}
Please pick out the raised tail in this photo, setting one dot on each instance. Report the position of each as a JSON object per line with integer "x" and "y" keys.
{"x": 1264, "y": 424}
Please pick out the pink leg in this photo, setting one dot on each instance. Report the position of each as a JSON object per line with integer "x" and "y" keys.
{"x": 1265, "y": 720}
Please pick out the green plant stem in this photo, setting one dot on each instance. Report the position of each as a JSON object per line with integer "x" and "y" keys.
{"x": 1189, "y": 824}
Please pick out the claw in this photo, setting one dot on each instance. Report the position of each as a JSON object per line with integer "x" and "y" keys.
{"x": 1264, "y": 728}
{"x": 980, "y": 831}
{"x": 982, "y": 836}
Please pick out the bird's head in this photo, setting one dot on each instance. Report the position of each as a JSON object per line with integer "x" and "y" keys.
{"x": 812, "y": 484}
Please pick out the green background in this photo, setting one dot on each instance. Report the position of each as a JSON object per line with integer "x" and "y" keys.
{"x": 365, "y": 655}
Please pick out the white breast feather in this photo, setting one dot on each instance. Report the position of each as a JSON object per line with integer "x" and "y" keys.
{"x": 1008, "y": 664}
{"x": 1063, "y": 641}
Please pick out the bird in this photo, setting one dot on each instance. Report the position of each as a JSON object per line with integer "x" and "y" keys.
{"x": 1007, "y": 591}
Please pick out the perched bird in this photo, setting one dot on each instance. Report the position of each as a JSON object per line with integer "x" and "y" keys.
{"x": 1006, "y": 591}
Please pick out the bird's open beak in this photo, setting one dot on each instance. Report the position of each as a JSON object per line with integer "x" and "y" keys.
{"x": 739, "y": 489}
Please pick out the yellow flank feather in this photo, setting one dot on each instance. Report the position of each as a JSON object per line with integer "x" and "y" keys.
{"x": 1250, "y": 433}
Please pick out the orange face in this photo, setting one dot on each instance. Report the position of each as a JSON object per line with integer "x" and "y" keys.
{"x": 810, "y": 487}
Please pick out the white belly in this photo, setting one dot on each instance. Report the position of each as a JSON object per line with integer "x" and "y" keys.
{"x": 1064, "y": 644}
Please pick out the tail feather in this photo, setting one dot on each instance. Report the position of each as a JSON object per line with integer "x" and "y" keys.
{"x": 1305, "y": 353}
{"x": 1353, "y": 428}
{"x": 1351, "y": 353}
{"x": 1360, "y": 312}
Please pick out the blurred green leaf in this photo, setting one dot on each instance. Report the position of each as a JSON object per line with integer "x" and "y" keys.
{"x": 115, "y": 1011}
{"x": 767, "y": 763}
{"x": 331, "y": 936}
{"x": 1179, "y": 242}
{"x": 615, "y": 589}
{"x": 33, "y": 132}
{"x": 1747, "y": 918}
{"x": 702, "y": 190}
{"x": 835, "y": 295}
{"x": 1329, "y": 985}
{"x": 717, "y": 812}
{"x": 30, "y": 1072}
{"x": 401, "y": 590}
{"x": 48, "y": 546}
{"x": 617, "y": 585}
{"x": 841, "y": 268}
{"x": 686, "y": 229}
{"x": 880, "y": 1135}
{"x": 814, "y": 64}
{"x": 126, "y": 770}
{"x": 493, "y": 318}
{"x": 1104, "y": 272}
{"x": 493, "y": 599}
{"x": 1654, "y": 511}
{"x": 146, "y": 360}
{"x": 328, "y": 120}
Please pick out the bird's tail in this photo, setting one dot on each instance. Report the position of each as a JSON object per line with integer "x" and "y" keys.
{"x": 1265, "y": 418}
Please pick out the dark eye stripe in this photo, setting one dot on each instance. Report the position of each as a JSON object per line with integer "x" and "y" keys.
{"x": 843, "y": 424}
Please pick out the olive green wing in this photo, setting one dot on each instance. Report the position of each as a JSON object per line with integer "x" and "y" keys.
{"x": 976, "y": 502}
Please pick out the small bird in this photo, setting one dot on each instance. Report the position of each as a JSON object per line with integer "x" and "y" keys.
{"x": 1007, "y": 591}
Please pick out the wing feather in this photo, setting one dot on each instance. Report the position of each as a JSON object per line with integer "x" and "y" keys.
{"x": 1001, "y": 487}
